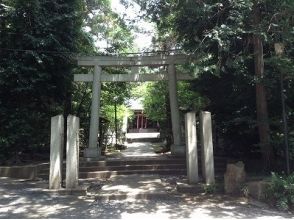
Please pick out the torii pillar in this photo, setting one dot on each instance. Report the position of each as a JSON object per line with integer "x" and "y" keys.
{"x": 177, "y": 148}
{"x": 93, "y": 151}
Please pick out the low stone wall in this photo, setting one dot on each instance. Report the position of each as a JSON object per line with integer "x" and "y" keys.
{"x": 21, "y": 172}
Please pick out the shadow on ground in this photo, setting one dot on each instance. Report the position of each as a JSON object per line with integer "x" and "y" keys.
{"x": 194, "y": 207}
{"x": 27, "y": 199}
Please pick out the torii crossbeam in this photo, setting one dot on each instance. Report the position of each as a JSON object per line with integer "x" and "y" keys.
{"x": 115, "y": 61}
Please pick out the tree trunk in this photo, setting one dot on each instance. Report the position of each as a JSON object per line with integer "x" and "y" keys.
{"x": 261, "y": 102}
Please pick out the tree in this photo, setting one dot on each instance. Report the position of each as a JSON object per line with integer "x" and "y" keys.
{"x": 37, "y": 40}
{"x": 109, "y": 34}
{"x": 261, "y": 102}
{"x": 109, "y": 31}
{"x": 224, "y": 38}
{"x": 155, "y": 99}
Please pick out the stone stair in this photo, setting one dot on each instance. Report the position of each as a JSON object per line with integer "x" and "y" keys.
{"x": 163, "y": 165}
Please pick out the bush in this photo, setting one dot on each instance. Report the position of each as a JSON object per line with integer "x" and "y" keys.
{"x": 209, "y": 188}
{"x": 281, "y": 191}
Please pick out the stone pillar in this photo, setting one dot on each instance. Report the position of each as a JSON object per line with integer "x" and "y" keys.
{"x": 177, "y": 148}
{"x": 56, "y": 152}
{"x": 124, "y": 128}
{"x": 142, "y": 121}
{"x": 191, "y": 147}
{"x": 72, "y": 152}
{"x": 93, "y": 151}
{"x": 207, "y": 159}
{"x": 234, "y": 177}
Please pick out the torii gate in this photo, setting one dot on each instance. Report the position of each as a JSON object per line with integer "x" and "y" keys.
{"x": 178, "y": 148}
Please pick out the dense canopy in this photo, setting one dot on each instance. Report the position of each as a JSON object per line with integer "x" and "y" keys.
{"x": 235, "y": 59}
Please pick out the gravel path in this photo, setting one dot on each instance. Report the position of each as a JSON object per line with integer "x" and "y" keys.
{"x": 27, "y": 199}
{"x": 138, "y": 149}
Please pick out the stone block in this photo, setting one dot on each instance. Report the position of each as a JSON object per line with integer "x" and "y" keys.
{"x": 29, "y": 172}
{"x": 191, "y": 147}
{"x": 234, "y": 177}
{"x": 72, "y": 152}
{"x": 93, "y": 153}
{"x": 178, "y": 150}
{"x": 207, "y": 159}
{"x": 257, "y": 189}
{"x": 56, "y": 152}
{"x": 185, "y": 187}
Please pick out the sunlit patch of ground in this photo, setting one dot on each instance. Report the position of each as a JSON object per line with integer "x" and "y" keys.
{"x": 27, "y": 199}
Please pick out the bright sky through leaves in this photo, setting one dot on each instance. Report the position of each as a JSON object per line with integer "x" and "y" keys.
{"x": 143, "y": 41}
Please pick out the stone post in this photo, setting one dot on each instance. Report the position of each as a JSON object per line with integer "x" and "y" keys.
{"x": 207, "y": 159}
{"x": 177, "y": 148}
{"x": 93, "y": 151}
{"x": 72, "y": 152}
{"x": 56, "y": 152}
{"x": 191, "y": 147}
{"x": 234, "y": 177}
{"x": 124, "y": 128}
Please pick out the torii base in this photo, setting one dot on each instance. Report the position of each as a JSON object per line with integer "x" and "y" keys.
{"x": 92, "y": 153}
{"x": 178, "y": 150}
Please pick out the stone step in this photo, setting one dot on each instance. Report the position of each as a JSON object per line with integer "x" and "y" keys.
{"x": 138, "y": 162}
{"x": 116, "y": 163}
{"x": 218, "y": 161}
{"x": 130, "y": 162}
{"x": 135, "y": 167}
{"x": 106, "y": 168}
{"x": 120, "y": 162}
{"x": 108, "y": 174}
{"x": 84, "y": 174}
{"x": 125, "y": 162}
{"x": 127, "y": 167}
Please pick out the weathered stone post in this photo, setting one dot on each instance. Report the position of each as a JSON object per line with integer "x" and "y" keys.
{"x": 124, "y": 128}
{"x": 93, "y": 150}
{"x": 56, "y": 152}
{"x": 177, "y": 148}
{"x": 191, "y": 147}
{"x": 234, "y": 177}
{"x": 207, "y": 159}
{"x": 72, "y": 152}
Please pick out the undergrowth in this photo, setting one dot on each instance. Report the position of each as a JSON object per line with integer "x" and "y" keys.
{"x": 280, "y": 192}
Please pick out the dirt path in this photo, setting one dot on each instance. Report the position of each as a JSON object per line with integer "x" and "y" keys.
{"x": 27, "y": 199}
{"x": 138, "y": 149}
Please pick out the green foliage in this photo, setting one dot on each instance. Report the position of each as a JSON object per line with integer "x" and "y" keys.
{"x": 38, "y": 41}
{"x": 108, "y": 112}
{"x": 111, "y": 34}
{"x": 219, "y": 36}
{"x": 155, "y": 98}
{"x": 38, "y": 37}
{"x": 35, "y": 69}
{"x": 209, "y": 188}
{"x": 81, "y": 105}
{"x": 116, "y": 147}
{"x": 281, "y": 191}
{"x": 154, "y": 101}
{"x": 106, "y": 26}
{"x": 245, "y": 191}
